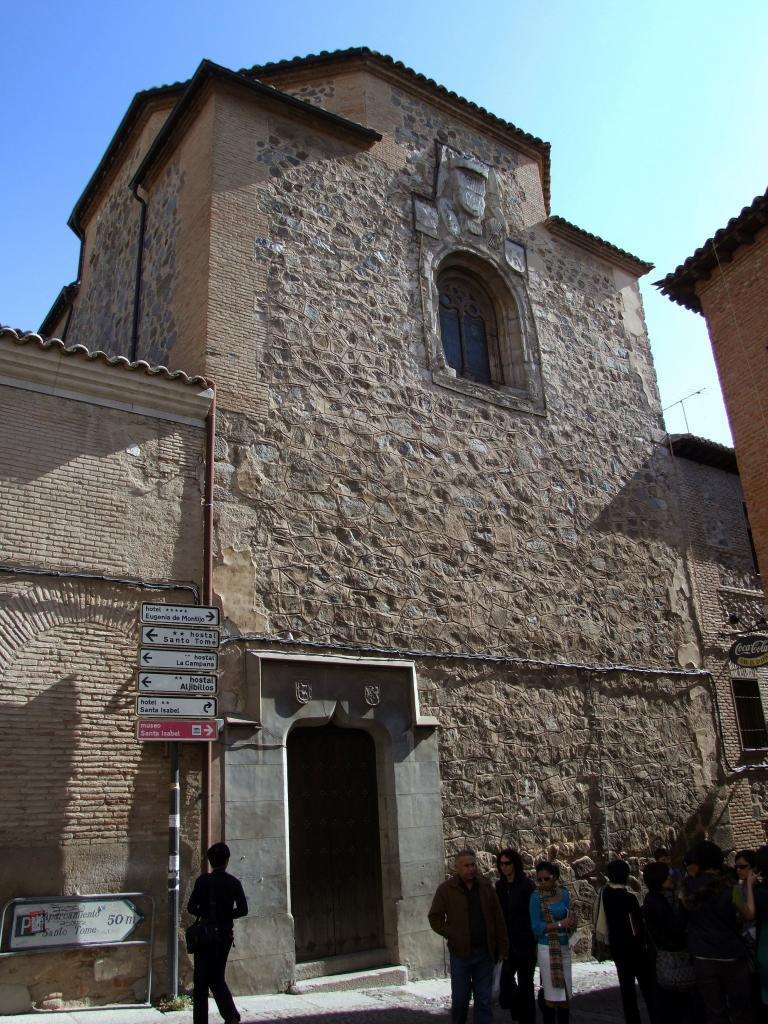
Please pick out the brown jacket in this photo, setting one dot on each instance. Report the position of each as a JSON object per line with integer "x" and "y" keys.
{"x": 449, "y": 917}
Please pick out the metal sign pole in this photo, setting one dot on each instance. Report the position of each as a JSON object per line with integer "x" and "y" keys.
{"x": 174, "y": 828}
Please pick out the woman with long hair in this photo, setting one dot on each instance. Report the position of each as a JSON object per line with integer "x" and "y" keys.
{"x": 552, "y": 924}
{"x": 514, "y": 890}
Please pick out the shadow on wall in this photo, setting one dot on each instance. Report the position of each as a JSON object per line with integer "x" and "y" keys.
{"x": 36, "y": 748}
{"x": 647, "y": 507}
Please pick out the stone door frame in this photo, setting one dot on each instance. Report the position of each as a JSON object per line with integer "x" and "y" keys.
{"x": 380, "y": 696}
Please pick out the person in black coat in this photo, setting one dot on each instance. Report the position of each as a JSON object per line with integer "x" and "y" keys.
{"x": 514, "y": 890}
{"x": 715, "y": 921}
{"x": 665, "y": 928}
{"x": 625, "y": 936}
{"x": 217, "y": 897}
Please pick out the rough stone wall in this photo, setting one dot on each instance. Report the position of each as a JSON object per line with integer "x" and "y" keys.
{"x": 175, "y": 271}
{"x": 357, "y": 501}
{"x": 572, "y": 765}
{"x": 158, "y": 334}
{"x": 734, "y": 303}
{"x": 90, "y": 487}
{"x": 103, "y": 312}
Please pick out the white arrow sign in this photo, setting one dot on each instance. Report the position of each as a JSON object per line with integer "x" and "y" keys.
{"x": 168, "y": 682}
{"x": 167, "y": 636}
{"x": 179, "y": 615}
{"x": 71, "y": 921}
{"x": 192, "y": 661}
{"x": 176, "y": 707}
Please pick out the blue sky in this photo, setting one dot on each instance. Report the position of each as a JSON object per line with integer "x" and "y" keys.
{"x": 655, "y": 111}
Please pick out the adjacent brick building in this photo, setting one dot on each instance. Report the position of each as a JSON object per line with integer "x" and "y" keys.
{"x": 470, "y": 593}
{"x": 726, "y": 280}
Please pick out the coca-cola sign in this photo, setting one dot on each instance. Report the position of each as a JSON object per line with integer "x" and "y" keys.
{"x": 749, "y": 651}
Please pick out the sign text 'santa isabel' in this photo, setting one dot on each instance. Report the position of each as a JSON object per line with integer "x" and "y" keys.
{"x": 750, "y": 651}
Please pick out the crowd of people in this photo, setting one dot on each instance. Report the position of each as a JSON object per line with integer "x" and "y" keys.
{"x": 697, "y": 946}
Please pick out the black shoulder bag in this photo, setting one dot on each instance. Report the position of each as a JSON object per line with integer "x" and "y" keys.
{"x": 204, "y": 933}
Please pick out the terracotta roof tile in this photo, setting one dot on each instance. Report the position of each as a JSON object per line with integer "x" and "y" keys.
{"x": 176, "y": 90}
{"x": 562, "y": 227}
{"x": 81, "y": 352}
{"x": 680, "y": 285}
{"x": 700, "y": 449}
{"x": 329, "y": 56}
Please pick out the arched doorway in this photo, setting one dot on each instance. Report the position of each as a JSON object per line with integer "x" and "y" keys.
{"x": 335, "y": 859}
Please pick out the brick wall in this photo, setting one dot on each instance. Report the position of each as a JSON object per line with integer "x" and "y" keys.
{"x": 735, "y": 303}
{"x": 91, "y": 490}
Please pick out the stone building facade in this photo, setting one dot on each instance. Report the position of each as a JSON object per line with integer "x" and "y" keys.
{"x": 468, "y": 593}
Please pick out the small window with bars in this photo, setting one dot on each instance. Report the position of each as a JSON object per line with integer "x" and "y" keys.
{"x": 749, "y": 714}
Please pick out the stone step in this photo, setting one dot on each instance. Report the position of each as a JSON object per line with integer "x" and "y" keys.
{"x": 343, "y": 964}
{"x": 376, "y": 977}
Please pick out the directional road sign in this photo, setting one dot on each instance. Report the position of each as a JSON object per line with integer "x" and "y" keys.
{"x": 179, "y": 615}
{"x": 191, "y": 661}
{"x": 176, "y": 707}
{"x": 169, "y": 682}
{"x": 169, "y": 636}
{"x": 175, "y": 732}
{"x": 71, "y": 921}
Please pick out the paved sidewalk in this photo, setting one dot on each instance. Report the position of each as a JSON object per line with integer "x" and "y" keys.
{"x": 596, "y": 1000}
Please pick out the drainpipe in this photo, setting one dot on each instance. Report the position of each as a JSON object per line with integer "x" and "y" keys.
{"x": 210, "y": 448}
{"x": 139, "y": 271}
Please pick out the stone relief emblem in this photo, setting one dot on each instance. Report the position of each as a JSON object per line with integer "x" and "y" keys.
{"x": 514, "y": 254}
{"x": 372, "y": 694}
{"x": 426, "y": 217}
{"x": 527, "y": 790}
{"x": 468, "y": 197}
{"x": 467, "y": 204}
{"x": 303, "y": 691}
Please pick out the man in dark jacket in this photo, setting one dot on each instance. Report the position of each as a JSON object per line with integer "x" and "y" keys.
{"x": 217, "y": 897}
{"x": 466, "y": 912}
{"x": 720, "y": 957}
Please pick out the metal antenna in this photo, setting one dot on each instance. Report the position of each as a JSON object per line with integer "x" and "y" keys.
{"x": 681, "y": 402}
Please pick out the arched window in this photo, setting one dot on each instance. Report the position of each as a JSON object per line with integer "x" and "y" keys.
{"x": 468, "y": 328}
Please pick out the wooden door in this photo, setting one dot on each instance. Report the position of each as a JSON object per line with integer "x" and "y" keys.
{"x": 335, "y": 863}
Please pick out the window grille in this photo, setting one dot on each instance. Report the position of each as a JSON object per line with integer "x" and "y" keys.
{"x": 749, "y": 714}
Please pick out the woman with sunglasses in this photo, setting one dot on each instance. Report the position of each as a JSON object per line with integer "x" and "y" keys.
{"x": 514, "y": 890}
{"x": 552, "y": 925}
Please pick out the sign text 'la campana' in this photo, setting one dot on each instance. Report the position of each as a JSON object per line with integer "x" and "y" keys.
{"x": 189, "y": 661}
